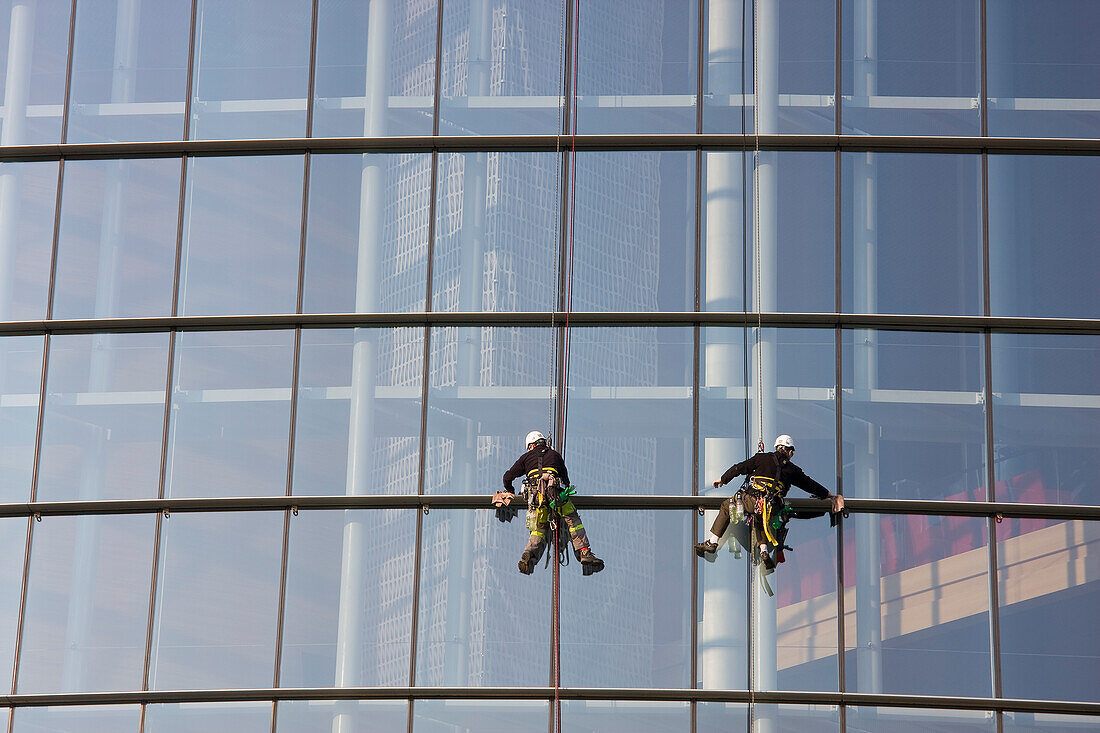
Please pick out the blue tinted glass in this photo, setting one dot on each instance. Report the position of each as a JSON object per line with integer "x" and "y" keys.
{"x": 497, "y": 232}
{"x": 116, "y": 247}
{"x": 636, "y": 66}
{"x": 377, "y": 716}
{"x": 1048, "y": 723}
{"x": 911, "y": 68}
{"x": 78, "y": 719}
{"x": 728, "y": 63}
{"x": 359, "y": 394}
{"x": 251, "y": 69}
{"x": 375, "y": 72}
{"x": 612, "y": 716}
{"x": 241, "y": 235}
{"x": 232, "y": 717}
{"x": 481, "y": 622}
{"x": 87, "y": 604}
{"x": 104, "y": 417}
{"x": 1043, "y": 63}
{"x": 635, "y": 630}
{"x": 367, "y": 234}
{"x": 1046, "y": 417}
{"x": 630, "y": 410}
{"x": 492, "y": 716}
{"x": 502, "y": 67}
{"x": 921, "y": 604}
{"x": 1043, "y": 257}
{"x": 217, "y": 597}
{"x": 34, "y": 39}
{"x": 129, "y": 76}
{"x": 28, "y": 193}
{"x": 488, "y": 387}
{"x": 230, "y": 417}
{"x": 914, "y": 422}
{"x": 911, "y": 234}
{"x": 20, "y": 385}
{"x": 349, "y": 586}
{"x": 632, "y": 232}
{"x": 903, "y": 720}
{"x": 13, "y": 540}
{"x": 1048, "y": 591}
{"x": 727, "y": 197}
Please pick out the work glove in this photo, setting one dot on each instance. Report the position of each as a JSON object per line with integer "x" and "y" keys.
{"x": 836, "y": 504}
{"x": 502, "y": 500}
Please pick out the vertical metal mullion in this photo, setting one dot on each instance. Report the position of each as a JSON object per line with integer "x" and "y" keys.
{"x": 838, "y": 78}
{"x": 991, "y": 523}
{"x": 983, "y": 103}
{"x": 179, "y": 237}
{"x": 190, "y": 71}
{"x": 841, "y": 642}
{"x": 281, "y": 613}
{"x": 68, "y": 74}
{"x": 150, "y": 619}
{"x": 436, "y": 94}
{"x": 695, "y": 382}
{"x": 55, "y": 237}
{"x": 22, "y": 614}
{"x": 312, "y": 73}
{"x": 305, "y": 225}
{"x": 700, "y": 59}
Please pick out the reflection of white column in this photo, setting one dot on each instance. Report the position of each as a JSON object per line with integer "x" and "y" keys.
{"x": 16, "y": 90}
{"x": 864, "y": 437}
{"x": 364, "y": 377}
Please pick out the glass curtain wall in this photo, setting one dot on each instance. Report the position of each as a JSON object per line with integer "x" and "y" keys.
{"x": 283, "y": 286}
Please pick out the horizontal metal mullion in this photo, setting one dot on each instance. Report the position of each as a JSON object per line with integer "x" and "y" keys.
{"x": 482, "y": 501}
{"x": 543, "y": 693}
{"x": 545, "y": 318}
{"x": 551, "y": 143}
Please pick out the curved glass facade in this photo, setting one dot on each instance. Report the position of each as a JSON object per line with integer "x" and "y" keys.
{"x": 283, "y": 286}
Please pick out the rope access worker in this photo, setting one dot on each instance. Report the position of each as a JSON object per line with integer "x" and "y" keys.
{"x": 547, "y": 485}
{"x": 760, "y": 500}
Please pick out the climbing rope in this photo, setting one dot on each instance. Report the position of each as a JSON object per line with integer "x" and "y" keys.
{"x": 753, "y": 600}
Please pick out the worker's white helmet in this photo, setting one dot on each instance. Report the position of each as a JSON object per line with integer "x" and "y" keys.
{"x": 533, "y": 437}
{"x": 784, "y": 440}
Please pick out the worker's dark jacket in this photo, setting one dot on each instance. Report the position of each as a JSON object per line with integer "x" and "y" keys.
{"x": 767, "y": 464}
{"x": 529, "y": 462}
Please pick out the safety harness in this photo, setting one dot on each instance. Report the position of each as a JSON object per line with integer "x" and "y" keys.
{"x": 547, "y": 500}
{"x": 761, "y": 505}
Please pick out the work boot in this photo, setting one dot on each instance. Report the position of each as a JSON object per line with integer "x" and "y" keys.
{"x": 526, "y": 565}
{"x": 706, "y": 547}
{"x": 589, "y": 563}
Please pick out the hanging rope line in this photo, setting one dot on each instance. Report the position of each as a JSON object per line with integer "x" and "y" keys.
{"x": 753, "y": 600}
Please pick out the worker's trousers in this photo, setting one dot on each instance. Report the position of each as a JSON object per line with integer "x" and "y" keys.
{"x": 540, "y": 531}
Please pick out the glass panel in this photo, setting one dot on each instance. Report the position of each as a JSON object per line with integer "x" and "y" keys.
{"x": 1048, "y": 723}
{"x": 348, "y": 600}
{"x": 251, "y": 69}
{"x": 34, "y": 49}
{"x": 116, "y": 247}
{"x": 636, "y": 66}
{"x": 502, "y": 67}
{"x": 1048, "y": 591}
{"x": 241, "y": 235}
{"x": 481, "y": 623}
{"x": 613, "y": 716}
{"x": 726, "y": 230}
{"x": 914, "y": 422}
{"x": 633, "y": 229}
{"x": 217, "y": 598}
{"x": 498, "y": 233}
{"x": 20, "y": 384}
{"x": 13, "y": 542}
{"x": 230, "y": 414}
{"x": 1043, "y": 256}
{"x": 129, "y": 75}
{"x": 911, "y": 68}
{"x": 28, "y": 199}
{"x": 87, "y": 604}
{"x": 487, "y": 388}
{"x": 796, "y": 233}
{"x": 635, "y": 631}
{"x": 367, "y": 234}
{"x": 630, "y": 410}
{"x": 911, "y": 234}
{"x": 774, "y": 718}
{"x": 375, "y": 75}
{"x": 359, "y": 390}
{"x": 381, "y": 716}
{"x": 794, "y": 69}
{"x": 1043, "y": 63}
{"x": 222, "y": 717}
{"x": 901, "y": 720}
{"x": 104, "y": 417}
{"x": 1046, "y": 417}
{"x": 77, "y": 719}
{"x": 490, "y": 716}
{"x": 917, "y": 605}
